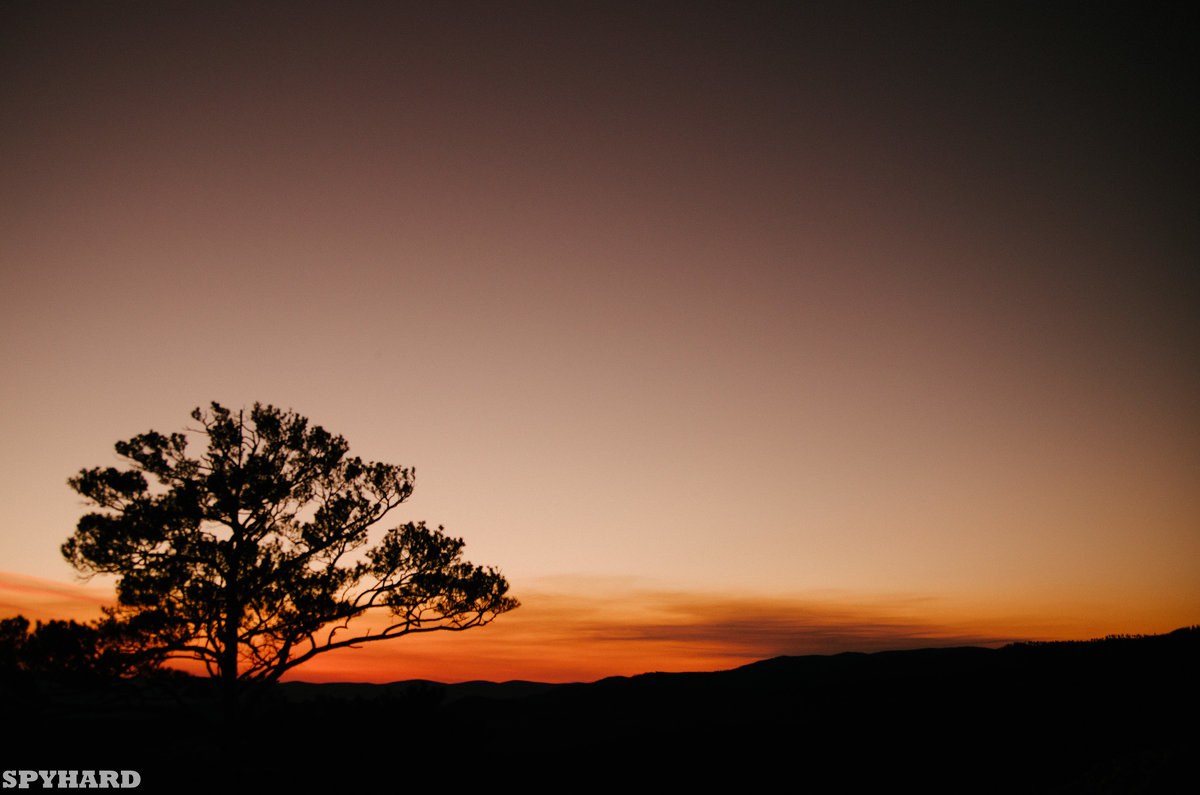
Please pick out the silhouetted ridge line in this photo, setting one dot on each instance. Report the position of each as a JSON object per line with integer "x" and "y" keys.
{"x": 1055, "y": 717}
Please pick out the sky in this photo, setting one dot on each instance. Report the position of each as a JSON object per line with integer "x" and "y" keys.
{"x": 724, "y": 330}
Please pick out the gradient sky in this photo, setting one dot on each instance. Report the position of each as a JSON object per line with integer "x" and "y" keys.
{"x": 724, "y": 330}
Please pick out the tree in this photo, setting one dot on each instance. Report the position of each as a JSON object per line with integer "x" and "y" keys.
{"x": 68, "y": 649}
{"x": 250, "y": 557}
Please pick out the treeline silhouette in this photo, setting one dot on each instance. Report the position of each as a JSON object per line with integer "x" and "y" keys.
{"x": 1110, "y": 715}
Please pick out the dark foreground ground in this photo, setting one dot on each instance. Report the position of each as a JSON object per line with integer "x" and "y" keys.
{"x": 1118, "y": 715}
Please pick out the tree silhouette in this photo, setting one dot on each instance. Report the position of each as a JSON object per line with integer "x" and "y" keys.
{"x": 249, "y": 558}
{"x": 69, "y": 649}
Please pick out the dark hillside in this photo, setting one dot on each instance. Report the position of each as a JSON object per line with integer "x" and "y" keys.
{"x": 1115, "y": 715}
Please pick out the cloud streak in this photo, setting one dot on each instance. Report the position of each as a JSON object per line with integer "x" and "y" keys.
{"x": 41, "y": 600}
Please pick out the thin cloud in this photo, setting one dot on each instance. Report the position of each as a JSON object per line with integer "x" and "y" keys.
{"x": 42, "y": 600}
{"x": 739, "y": 626}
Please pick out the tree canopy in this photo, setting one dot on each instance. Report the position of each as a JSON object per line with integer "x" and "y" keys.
{"x": 252, "y": 557}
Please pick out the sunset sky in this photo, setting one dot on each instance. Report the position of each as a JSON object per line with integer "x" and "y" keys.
{"x": 724, "y": 330}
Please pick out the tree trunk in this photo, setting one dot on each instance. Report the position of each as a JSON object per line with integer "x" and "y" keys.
{"x": 229, "y": 642}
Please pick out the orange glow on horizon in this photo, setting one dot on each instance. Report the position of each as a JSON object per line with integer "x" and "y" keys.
{"x": 585, "y": 629}
{"x": 573, "y": 636}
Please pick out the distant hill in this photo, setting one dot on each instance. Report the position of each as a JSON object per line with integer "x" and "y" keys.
{"x": 1111, "y": 715}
